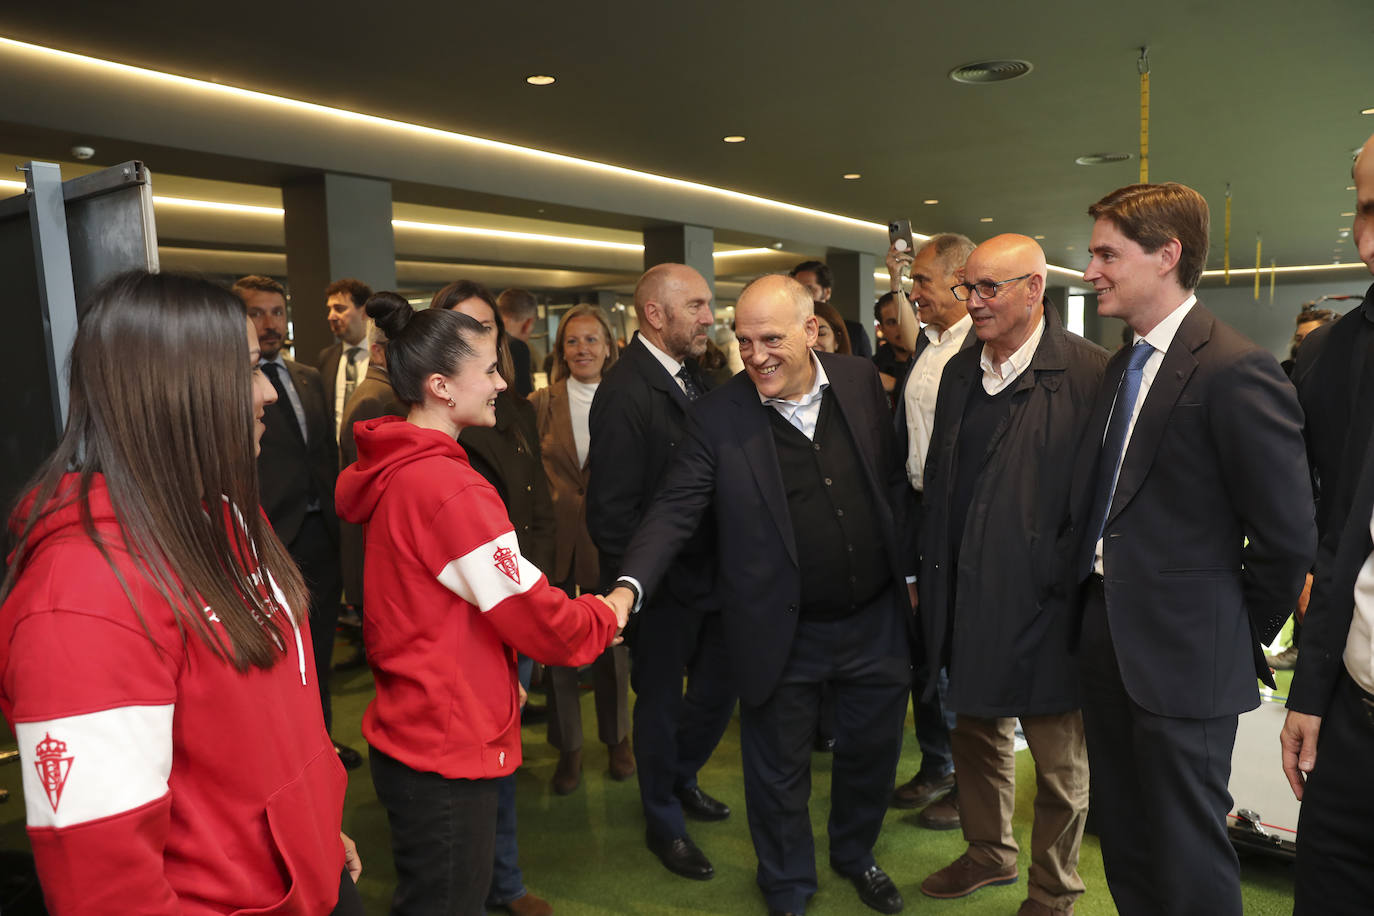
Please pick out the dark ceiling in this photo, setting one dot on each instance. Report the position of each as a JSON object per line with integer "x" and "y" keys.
{"x": 1264, "y": 95}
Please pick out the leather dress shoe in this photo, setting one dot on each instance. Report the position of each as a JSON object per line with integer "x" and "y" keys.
{"x": 568, "y": 774}
{"x": 943, "y": 814}
{"x": 681, "y": 857}
{"x": 922, "y": 790}
{"x": 877, "y": 891}
{"x": 527, "y": 905}
{"x": 697, "y": 805}
{"x": 963, "y": 876}
{"x": 622, "y": 761}
{"x": 350, "y": 758}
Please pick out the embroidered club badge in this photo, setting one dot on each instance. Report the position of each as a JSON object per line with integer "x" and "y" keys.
{"x": 507, "y": 562}
{"x": 53, "y": 768}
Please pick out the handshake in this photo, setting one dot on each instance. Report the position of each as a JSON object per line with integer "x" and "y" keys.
{"x": 621, "y": 600}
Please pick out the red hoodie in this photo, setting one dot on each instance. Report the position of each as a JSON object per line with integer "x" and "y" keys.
{"x": 449, "y": 600}
{"x": 158, "y": 779}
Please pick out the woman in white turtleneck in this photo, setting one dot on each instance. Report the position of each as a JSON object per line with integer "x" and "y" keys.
{"x": 583, "y": 349}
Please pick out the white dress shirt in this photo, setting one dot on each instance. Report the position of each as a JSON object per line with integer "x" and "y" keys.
{"x": 360, "y": 361}
{"x": 668, "y": 363}
{"x": 1160, "y": 337}
{"x": 997, "y": 378}
{"x": 922, "y": 387}
{"x": 1359, "y": 644}
{"x": 805, "y": 413}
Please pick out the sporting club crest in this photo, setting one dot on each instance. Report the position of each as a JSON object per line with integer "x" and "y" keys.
{"x": 53, "y": 768}
{"x": 508, "y": 563}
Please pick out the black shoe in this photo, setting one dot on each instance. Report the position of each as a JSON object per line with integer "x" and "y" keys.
{"x": 824, "y": 744}
{"x": 697, "y": 805}
{"x": 350, "y": 758}
{"x": 681, "y": 857}
{"x": 877, "y": 891}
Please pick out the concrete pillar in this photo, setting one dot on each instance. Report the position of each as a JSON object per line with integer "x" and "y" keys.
{"x": 852, "y": 292}
{"x": 336, "y": 226}
{"x": 690, "y": 245}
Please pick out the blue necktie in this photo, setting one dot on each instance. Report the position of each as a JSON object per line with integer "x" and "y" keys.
{"x": 1114, "y": 442}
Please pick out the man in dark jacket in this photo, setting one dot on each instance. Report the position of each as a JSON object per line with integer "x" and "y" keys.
{"x": 1008, "y": 421}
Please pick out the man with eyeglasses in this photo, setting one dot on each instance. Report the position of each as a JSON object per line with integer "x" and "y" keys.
{"x": 994, "y": 595}
{"x": 948, "y": 330}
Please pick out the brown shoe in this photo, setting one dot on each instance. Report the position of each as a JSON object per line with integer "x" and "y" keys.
{"x": 943, "y": 815}
{"x": 1031, "y": 907}
{"x": 963, "y": 876}
{"x": 568, "y": 776}
{"x": 622, "y": 760}
{"x": 529, "y": 905}
{"x": 922, "y": 790}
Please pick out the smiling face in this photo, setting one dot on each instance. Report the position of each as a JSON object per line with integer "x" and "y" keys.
{"x": 1129, "y": 280}
{"x": 931, "y": 279}
{"x": 474, "y": 387}
{"x": 263, "y": 392}
{"x": 585, "y": 348}
{"x": 776, "y": 332}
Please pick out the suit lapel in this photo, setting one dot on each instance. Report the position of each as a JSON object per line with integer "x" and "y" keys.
{"x": 755, "y": 433}
{"x": 1177, "y": 368}
{"x": 658, "y": 376}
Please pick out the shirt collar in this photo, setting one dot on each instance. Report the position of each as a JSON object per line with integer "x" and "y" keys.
{"x": 818, "y": 386}
{"x": 1018, "y": 361}
{"x": 672, "y": 365}
{"x": 959, "y": 328}
{"x": 1162, "y": 334}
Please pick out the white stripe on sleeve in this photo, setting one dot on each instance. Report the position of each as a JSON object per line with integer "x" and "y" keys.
{"x": 80, "y": 768}
{"x": 490, "y": 574}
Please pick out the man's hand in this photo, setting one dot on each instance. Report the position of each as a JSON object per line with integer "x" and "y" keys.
{"x": 897, "y": 264}
{"x": 1304, "y": 597}
{"x": 524, "y": 695}
{"x": 1298, "y": 739}
{"x": 622, "y": 601}
{"x": 352, "y": 861}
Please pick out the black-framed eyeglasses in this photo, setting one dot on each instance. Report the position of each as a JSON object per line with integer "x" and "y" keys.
{"x": 985, "y": 289}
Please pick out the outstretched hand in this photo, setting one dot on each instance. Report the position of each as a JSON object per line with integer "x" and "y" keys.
{"x": 622, "y": 601}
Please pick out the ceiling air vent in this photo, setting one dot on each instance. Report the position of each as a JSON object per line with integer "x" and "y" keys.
{"x": 990, "y": 71}
{"x": 1102, "y": 158}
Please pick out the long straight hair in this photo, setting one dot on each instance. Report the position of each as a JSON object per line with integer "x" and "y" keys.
{"x": 161, "y": 408}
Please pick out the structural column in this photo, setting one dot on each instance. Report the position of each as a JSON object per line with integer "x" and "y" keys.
{"x": 336, "y": 226}
{"x": 852, "y": 292}
{"x": 690, "y": 245}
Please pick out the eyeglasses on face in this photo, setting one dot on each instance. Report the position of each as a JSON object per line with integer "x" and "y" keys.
{"x": 985, "y": 288}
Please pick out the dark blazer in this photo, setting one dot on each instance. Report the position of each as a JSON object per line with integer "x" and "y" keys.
{"x": 575, "y": 554}
{"x": 328, "y": 364}
{"x": 638, "y": 421}
{"x": 729, "y": 462}
{"x": 507, "y": 455}
{"x": 290, "y": 473}
{"x": 374, "y": 397}
{"x": 1216, "y": 457}
{"x": 1013, "y": 607}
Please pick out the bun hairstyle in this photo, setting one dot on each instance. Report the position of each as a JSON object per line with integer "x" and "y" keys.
{"x": 419, "y": 344}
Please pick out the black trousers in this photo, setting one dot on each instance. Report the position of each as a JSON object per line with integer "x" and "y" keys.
{"x": 1159, "y": 790}
{"x": 676, "y": 730}
{"x": 866, "y": 661}
{"x": 1335, "y": 867}
{"x": 350, "y": 903}
{"x": 443, "y": 835}
{"x": 317, "y": 554}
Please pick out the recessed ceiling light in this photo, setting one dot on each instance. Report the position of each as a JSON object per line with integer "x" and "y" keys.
{"x": 930, "y": 200}
{"x": 1368, "y": 111}
{"x": 1037, "y": 236}
{"x": 734, "y": 138}
{"x": 990, "y": 71}
{"x": 852, "y": 176}
{"x": 1348, "y": 213}
{"x": 985, "y": 219}
{"x": 1343, "y": 233}
{"x": 1350, "y": 187}
{"x": 539, "y": 80}
{"x": 1102, "y": 158}
{"x": 1068, "y": 248}
{"x": 776, "y": 246}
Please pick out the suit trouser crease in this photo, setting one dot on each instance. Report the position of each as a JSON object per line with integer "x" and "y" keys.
{"x": 610, "y": 690}
{"x": 1159, "y": 791}
{"x": 675, "y": 729}
{"x": 984, "y": 756}
{"x": 870, "y": 687}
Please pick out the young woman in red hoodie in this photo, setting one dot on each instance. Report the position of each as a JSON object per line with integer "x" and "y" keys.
{"x": 152, "y": 660}
{"x": 450, "y": 600}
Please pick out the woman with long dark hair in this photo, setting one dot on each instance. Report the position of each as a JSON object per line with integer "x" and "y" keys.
{"x": 153, "y": 662}
{"x": 451, "y": 598}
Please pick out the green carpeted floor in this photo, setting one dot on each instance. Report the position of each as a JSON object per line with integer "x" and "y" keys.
{"x": 585, "y": 852}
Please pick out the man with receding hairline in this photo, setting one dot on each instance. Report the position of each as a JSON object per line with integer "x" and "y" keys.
{"x": 1195, "y": 532}
{"x": 1008, "y": 422}
{"x": 638, "y": 419}
{"x": 795, "y": 458}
